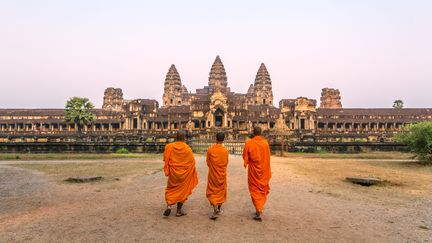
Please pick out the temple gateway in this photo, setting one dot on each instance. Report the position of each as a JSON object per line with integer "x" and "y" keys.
{"x": 216, "y": 108}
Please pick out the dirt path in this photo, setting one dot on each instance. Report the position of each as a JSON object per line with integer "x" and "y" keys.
{"x": 131, "y": 210}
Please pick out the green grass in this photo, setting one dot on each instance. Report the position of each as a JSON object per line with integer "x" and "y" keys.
{"x": 74, "y": 156}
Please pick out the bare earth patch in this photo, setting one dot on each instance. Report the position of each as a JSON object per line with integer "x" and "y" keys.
{"x": 309, "y": 202}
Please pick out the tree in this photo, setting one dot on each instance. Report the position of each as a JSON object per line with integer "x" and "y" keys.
{"x": 78, "y": 111}
{"x": 398, "y": 104}
{"x": 419, "y": 140}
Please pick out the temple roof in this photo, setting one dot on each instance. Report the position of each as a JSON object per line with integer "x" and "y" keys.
{"x": 375, "y": 111}
{"x": 184, "y": 89}
{"x": 217, "y": 76}
{"x": 51, "y": 112}
{"x": 173, "y": 77}
{"x": 250, "y": 89}
{"x": 262, "y": 77}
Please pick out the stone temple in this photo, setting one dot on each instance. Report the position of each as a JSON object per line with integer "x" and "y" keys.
{"x": 216, "y": 108}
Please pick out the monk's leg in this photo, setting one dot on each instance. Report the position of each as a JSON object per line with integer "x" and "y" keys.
{"x": 179, "y": 210}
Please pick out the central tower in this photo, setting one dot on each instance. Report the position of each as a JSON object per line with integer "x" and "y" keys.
{"x": 217, "y": 76}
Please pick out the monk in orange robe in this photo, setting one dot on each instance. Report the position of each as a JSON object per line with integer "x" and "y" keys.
{"x": 256, "y": 156}
{"x": 217, "y": 161}
{"x": 182, "y": 176}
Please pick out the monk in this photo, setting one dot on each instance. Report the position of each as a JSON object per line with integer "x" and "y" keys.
{"x": 256, "y": 156}
{"x": 217, "y": 161}
{"x": 182, "y": 176}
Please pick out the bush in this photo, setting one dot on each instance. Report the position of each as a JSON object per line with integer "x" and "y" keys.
{"x": 122, "y": 151}
{"x": 419, "y": 140}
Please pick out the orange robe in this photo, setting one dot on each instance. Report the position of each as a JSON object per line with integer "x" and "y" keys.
{"x": 180, "y": 169}
{"x": 217, "y": 161}
{"x": 256, "y": 155}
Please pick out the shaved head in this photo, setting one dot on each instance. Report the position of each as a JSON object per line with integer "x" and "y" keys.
{"x": 180, "y": 136}
{"x": 257, "y": 131}
{"x": 220, "y": 136}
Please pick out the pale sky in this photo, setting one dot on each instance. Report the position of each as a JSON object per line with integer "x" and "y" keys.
{"x": 374, "y": 51}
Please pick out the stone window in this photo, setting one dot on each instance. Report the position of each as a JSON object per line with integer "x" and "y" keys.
{"x": 135, "y": 123}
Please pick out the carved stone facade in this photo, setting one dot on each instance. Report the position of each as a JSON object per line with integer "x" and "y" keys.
{"x": 330, "y": 99}
{"x": 173, "y": 88}
{"x": 215, "y": 108}
{"x": 113, "y": 99}
{"x": 262, "y": 88}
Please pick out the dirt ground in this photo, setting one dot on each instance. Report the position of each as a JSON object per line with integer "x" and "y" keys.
{"x": 309, "y": 201}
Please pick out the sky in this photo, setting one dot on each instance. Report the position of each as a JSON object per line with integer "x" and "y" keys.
{"x": 373, "y": 51}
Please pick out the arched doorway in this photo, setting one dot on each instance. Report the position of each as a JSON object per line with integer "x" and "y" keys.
{"x": 218, "y": 117}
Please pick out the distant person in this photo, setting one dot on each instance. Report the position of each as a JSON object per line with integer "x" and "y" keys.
{"x": 256, "y": 156}
{"x": 181, "y": 172}
{"x": 217, "y": 161}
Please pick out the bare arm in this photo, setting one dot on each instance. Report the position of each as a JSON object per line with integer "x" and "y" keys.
{"x": 245, "y": 155}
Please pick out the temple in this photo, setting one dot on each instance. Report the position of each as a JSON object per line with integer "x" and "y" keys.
{"x": 216, "y": 108}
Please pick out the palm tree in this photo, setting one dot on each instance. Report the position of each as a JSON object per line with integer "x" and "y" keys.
{"x": 398, "y": 104}
{"x": 78, "y": 111}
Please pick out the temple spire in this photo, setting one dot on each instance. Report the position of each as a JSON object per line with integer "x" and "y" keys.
{"x": 262, "y": 77}
{"x": 172, "y": 88}
{"x": 217, "y": 76}
{"x": 263, "y": 93}
{"x": 173, "y": 77}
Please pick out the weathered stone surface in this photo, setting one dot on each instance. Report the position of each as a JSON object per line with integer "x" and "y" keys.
{"x": 330, "y": 99}
{"x": 217, "y": 77}
{"x": 84, "y": 179}
{"x": 364, "y": 181}
{"x": 262, "y": 89}
{"x": 173, "y": 88}
{"x": 215, "y": 108}
{"x": 113, "y": 99}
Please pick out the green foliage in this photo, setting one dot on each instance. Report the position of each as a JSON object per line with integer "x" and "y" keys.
{"x": 78, "y": 111}
{"x": 398, "y": 104}
{"x": 419, "y": 140}
{"x": 122, "y": 151}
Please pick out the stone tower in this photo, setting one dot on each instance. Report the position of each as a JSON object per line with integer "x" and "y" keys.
{"x": 330, "y": 99}
{"x": 217, "y": 77}
{"x": 263, "y": 87}
{"x": 172, "y": 88}
{"x": 113, "y": 99}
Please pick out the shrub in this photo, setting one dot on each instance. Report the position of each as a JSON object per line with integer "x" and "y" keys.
{"x": 419, "y": 139}
{"x": 122, "y": 151}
